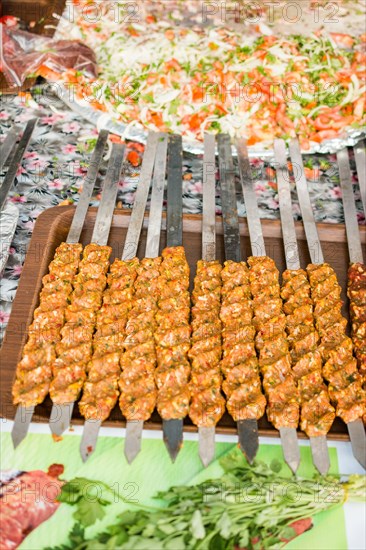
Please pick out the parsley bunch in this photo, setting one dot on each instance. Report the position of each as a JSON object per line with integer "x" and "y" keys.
{"x": 250, "y": 507}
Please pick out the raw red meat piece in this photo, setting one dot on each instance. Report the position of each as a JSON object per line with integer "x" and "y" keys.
{"x": 26, "y": 501}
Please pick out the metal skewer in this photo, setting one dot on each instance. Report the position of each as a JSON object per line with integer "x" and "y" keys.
{"x": 60, "y": 413}
{"x": 134, "y": 428}
{"x": 355, "y": 429}
{"x": 349, "y": 206}
{"x": 16, "y": 160}
{"x": 360, "y": 158}
{"x": 288, "y": 436}
{"x": 318, "y": 444}
{"x": 206, "y": 435}
{"x": 173, "y": 429}
{"x": 100, "y": 236}
{"x": 7, "y": 145}
{"x": 247, "y": 429}
{"x": 152, "y": 150}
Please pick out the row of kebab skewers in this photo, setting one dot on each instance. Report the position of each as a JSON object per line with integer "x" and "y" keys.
{"x": 129, "y": 332}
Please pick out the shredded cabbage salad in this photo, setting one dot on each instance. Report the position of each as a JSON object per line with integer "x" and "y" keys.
{"x": 191, "y": 80}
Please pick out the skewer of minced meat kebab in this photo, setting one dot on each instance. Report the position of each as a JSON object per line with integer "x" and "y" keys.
{"x": 357, "y": 269}
{"x": 172, "y": 336}
{"x": 317, "y": 413}
{"x": 82, "y": 317}
{"x": 75, "y": 348}
{"x": 34, "y": 372}
{"x": 207, "y": 402}
{"x": 242, "y": 385}
{"x": 340, "y": 367}
{"x": 94, "y": 276}
{"x": 270, "y": 323}
{"x": 100, "y": 391}
{"x": 137, "y": 386}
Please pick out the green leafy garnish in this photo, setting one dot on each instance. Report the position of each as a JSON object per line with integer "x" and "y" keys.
{"x": 254, "y": 507}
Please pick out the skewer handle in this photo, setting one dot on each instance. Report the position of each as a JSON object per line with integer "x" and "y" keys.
{"x": 88, "y": 187}
{"x": 250, "y": 199}
{"x": 16, "y": 160}
{"x": 7, "y": 146}
{"x": 109, "y": 194}
{"x": 360, "y": 158}
{"x": 157, "y": 195}
{"x": 228, "y": 199}
{"x": 174, "y": 222}
{"x": 287, "y": 219}
{"x": 312, "y": 236}
{"x": 139, "y": 205}
{"x": 349, "y": 205}
{"x": 208, "y": 203}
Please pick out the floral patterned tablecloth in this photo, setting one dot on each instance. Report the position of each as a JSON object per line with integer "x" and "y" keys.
{"x": 56, "y": 162}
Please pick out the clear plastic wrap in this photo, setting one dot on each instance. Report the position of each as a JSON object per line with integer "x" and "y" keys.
{"x": 23, "y": 54}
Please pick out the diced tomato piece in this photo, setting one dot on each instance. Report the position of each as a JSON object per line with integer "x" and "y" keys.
{"x": 134, "y": 158}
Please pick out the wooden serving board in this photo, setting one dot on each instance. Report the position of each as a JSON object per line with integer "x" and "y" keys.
{"x": 51, "y": 229}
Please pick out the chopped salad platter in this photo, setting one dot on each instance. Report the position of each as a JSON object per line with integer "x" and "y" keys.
{"x": 188, "y": 80}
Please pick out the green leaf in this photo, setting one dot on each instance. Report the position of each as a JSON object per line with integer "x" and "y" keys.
{"x": 138, "y": 527}
{"x": 224, "y": 524}
{"x": 175, "y": 544}
{"x": 197, "y": 527}
{"x": 117, "y": 541}
{"x": 218, "y": 543}
{"x": 166, "y": 528}
{"x": 233, "y": 460}
{"x": 276, "y": 466}
{"x": 76, "y": 538}
{"x": 128, "y": 518}
{"x": 244, "y": 538}
{"x": 136, "y": 543}
{"x": 149, "y": 530}
{"x": 88, "y": 513}
{"x": 288, "y": 533}
{"x": 80, "y": 487}
{"x": 69, "y": 494}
